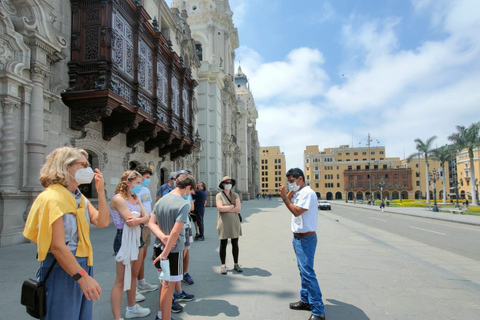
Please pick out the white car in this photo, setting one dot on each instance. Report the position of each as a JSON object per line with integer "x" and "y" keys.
{"x": 324, "y": 205}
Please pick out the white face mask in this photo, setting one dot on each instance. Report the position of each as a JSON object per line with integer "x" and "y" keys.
{"x": 293, "y": 186}
{"x": 228, "y": 186}
{"x": 84, "y": 175}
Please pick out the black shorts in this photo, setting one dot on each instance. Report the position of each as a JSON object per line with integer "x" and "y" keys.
{"x": 117, "y": 242}
{"x": 193, "y": 216}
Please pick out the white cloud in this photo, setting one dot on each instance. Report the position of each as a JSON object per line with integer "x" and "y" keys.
{"x": 327, "y": 13}
{"x": 299, "y": 76}
{"x": 239, "y": 8}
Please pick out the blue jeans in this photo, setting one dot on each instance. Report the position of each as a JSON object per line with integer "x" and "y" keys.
{"x": 310, "y": 293}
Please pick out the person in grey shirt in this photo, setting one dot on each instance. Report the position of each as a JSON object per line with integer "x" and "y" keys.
{"x": 170, "y": 213}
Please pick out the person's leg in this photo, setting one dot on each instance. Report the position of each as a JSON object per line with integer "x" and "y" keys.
{"x": 166, "y": 297}
{"x": 223, "y": 251}
{"x": 133, "y": 285}
{"x": 117, "y": 292}
{"x": 235, "y": 250}
{"x": 186, "y": 259}
{"x": 141, "y": 272}
{"x": 311, "y": 290}
{"x": 200, "y": 223}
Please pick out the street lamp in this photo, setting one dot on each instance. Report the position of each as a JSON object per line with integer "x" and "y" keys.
{"x": 476, "y": 187}
{"x": 346, "y": 194}
{"x": 381, "y": 184}
{"x": 457, "y": 205}
{"x": 434, "y": 177}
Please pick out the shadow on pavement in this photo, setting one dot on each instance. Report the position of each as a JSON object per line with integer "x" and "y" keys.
{"x": 212, "y": 308}
{"x": 338, "y": 310}
{"x": 255, "y": 271}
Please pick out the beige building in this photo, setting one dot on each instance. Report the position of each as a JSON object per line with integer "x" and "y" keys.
{"x": 463, "y": 174}
{"x": 419, "y": 181}
{"x": 272, "y": 170}
{"x": 325, "y": 171}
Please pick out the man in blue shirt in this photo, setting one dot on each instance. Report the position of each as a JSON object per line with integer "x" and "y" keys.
{"x": 199, "y": 209}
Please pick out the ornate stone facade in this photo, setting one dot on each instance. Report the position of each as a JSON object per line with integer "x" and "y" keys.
{"x": 91, "y": 91}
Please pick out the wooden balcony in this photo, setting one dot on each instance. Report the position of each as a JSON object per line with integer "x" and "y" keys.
{"x": 124, "y": 73}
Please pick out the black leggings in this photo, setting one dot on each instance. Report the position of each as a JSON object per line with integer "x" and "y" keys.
{"x": 223, "y": 250}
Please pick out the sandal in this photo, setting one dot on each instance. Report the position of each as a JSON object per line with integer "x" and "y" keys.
{"x": 223, "y": 270}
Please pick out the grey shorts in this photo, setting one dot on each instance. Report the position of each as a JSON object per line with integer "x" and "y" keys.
{"x": 188, "y": 234}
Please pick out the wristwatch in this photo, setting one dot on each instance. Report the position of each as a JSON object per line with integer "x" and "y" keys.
{"x": 285, "y": 199}
{"x": 77, "y": 276}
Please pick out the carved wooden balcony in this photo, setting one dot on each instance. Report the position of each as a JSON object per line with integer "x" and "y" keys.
{"x": 124, "y": 73}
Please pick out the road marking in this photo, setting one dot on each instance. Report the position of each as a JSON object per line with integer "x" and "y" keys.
{"x": 378, "y": 219}
{"x": 354, "y": 213}
{"x": 428, "y": 230}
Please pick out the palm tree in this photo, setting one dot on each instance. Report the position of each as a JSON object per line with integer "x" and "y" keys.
{"x": 424, "y": 149}
{"x": 468, "y": 138}
{"x": 443, "y": 154}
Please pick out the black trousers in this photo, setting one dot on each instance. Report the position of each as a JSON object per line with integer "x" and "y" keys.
{"x": 199, "y": 216}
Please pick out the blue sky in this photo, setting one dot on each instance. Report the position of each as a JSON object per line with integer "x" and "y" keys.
{"x": 327, "y": 72}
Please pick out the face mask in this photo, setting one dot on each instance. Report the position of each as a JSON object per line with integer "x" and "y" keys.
{"x": 175, "y": 183}
{"x": 294, "y": 186}
{"x": 185, "y": 197}
{"x": 228, "y": 186}
{"x": 136, "y": 189}
{"x": 146, "y": 182}
{"x": 84, "y": 176}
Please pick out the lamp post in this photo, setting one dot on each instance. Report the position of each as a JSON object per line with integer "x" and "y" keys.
{"x": 346, "y": 194}
{"x": 434, "y": 177}
{"x": 457, "y": 205}
{"x": 381, "y": 184}
{"x": 476, "y": 188}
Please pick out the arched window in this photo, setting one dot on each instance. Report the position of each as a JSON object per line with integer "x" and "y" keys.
{"x": 199, "y": 51}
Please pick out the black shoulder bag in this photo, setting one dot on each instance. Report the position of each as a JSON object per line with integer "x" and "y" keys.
{"x": 239, "y": 215}
{"x": 34, "y": 297}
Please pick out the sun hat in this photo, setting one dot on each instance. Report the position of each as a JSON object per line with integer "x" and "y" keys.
{"x": 225, "y": 179}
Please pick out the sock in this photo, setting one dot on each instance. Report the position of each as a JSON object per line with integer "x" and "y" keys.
{"x": 159, "y": 315}
{"x": 130, "y": 308}
{"x": 141, "y": 282}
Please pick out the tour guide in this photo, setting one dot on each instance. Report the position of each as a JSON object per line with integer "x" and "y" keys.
{"x": 301, "y": 200}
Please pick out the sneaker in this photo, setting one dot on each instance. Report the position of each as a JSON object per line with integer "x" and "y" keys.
{"x": 137, "y": 312}
{"x": 223, "y": 270}
{"x": 183, "y": 296}
{"x": 176, "y": 307}
{"x": 201, "y": 238}
{"x": 139, "y": 297}
{"x": 188, "y": 279}
{"x": 237, "y": 268}
{"x": 147, "y": 287}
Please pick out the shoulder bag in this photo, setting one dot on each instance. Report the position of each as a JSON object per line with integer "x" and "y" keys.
{"x": 239, "y": 215}
{"x": 34, "y": 297}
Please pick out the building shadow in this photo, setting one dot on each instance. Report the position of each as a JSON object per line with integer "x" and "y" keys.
{"x": 338, "y": 310}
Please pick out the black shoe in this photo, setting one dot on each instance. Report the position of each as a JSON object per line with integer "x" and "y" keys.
{"x": 201, "y": 238}
{"x": 312, "y": 317}
{"x": 300, "y": 305}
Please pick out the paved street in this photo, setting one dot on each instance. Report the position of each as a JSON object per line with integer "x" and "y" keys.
{"x": 364, "y": 272}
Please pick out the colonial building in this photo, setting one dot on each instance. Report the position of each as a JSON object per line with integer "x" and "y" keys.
{"x": 419, "y": 183}
{"x": 225, "y": 120}
{"x": 272, "y": 170}
{"x": 247, "y": 137}
{"x": 116, "y": 78}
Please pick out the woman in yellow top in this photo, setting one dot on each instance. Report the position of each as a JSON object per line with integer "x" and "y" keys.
{"x": 58, "y": 223}
{"x": 228, "y": 222}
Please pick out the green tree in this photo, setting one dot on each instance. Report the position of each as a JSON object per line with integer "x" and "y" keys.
{"x": 443, "y": 155}
{"x": 424, "y": 149}
{"x": 468, "y": 138}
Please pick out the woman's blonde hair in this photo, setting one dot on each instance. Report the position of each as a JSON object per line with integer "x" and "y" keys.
{"x": 55, "y": 168}
{"x": 122, "y": 187}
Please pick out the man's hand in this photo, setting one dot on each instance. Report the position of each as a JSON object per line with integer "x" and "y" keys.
{"x": 283, "y": 191}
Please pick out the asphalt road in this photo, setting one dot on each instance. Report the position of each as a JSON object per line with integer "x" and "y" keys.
{"x": 455, "y": 237}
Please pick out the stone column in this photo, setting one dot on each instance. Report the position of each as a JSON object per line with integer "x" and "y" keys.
{"x": 35, "y": 143}
{"x": 7, "y": 152}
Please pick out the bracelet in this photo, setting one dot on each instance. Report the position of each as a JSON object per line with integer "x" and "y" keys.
{"x": 285, "y": 199}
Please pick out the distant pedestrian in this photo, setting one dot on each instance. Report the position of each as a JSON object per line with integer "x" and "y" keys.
{"x": 466, "y": 203}
{"x": 58, "y": 223}
{"x": 228, "y": 222}
{"x": 301, "y": 201}
{"x": 199, "y": 210}
{"x": 382, "y": 206}
{"x": 168, "y": 186}
{"x": 269, "y": 196}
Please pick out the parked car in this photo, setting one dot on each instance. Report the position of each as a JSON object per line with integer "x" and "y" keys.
{"x": 324, "y": 205}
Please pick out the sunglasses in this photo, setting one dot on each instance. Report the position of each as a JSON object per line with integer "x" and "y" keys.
{"x": 84, "y": 164}
{"x": 128, "y": 178}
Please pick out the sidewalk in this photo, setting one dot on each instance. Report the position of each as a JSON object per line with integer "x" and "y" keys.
{"x": 417, "y": 211}
{"x": 364, "y": 273}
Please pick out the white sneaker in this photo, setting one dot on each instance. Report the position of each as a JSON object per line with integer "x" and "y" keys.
{"x": 137, "y": 312}
{"x": 139, "y": 297}
{"x": 147, "y": 287}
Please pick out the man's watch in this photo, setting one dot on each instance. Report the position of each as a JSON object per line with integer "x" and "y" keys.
{"x": 77, "y": 276}
{"x": 285, "y": 199}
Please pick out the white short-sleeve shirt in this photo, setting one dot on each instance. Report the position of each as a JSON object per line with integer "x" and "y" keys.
{"x": 307, "y": 199}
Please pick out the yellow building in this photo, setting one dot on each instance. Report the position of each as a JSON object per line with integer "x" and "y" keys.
{"x": 419, "y": 178}
{"x": 325, "y": 170}
{"x": 272, "y": 170}
{"x": 463, "y": 173}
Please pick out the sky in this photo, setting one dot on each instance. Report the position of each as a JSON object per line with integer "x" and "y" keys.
{"x": 329, "y": 73}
